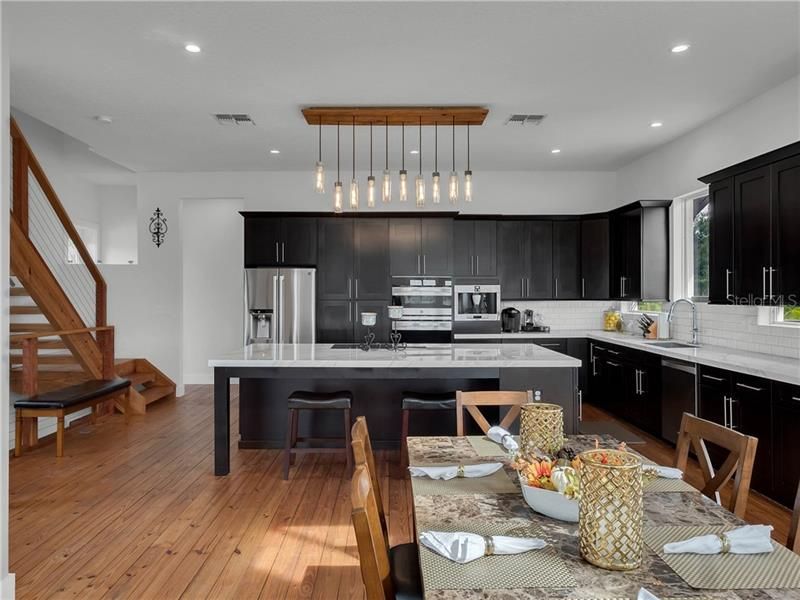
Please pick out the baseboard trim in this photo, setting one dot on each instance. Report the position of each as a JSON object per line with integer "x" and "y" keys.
{"x": 7, "y": 587}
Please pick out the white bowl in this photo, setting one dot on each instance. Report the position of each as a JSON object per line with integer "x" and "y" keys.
{"x": 395, "y": 312}
{"x": 368, "y": 319}
{"x": 549, "y": 503}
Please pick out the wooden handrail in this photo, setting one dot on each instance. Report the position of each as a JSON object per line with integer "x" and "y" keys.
{"x": 20, "y": 337}
{"x": 24, "y": 160}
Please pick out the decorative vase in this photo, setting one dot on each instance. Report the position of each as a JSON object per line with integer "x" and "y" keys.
{"x": 610, "y": 511}
{"x": 541, "y": 427}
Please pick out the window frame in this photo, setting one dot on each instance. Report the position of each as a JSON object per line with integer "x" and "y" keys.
{"x": 682, "y": 225}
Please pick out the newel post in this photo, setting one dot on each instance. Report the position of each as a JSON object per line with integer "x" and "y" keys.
{"x": 105, "y": 339}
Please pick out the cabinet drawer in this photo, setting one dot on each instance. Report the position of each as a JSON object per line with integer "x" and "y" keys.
{"x": 713, "y": 378}
{"x": 556, "y": 344}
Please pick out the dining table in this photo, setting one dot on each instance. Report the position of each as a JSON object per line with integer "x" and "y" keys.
{"x": 565, "y": 575}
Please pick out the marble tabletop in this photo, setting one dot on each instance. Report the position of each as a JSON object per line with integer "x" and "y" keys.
{"x": 593, "y": 583}
{"x": 414, "y": 356}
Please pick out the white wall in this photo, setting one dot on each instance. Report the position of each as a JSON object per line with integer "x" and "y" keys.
{"x": 765, "y": 123}
{"x": 117, "y": 212}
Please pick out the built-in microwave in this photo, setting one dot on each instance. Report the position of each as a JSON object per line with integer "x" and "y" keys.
{"x": 477, "y": 302}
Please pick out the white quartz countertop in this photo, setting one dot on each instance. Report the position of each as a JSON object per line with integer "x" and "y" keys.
{"x": 419, "y": 356}
{"x": 776, "y": 368}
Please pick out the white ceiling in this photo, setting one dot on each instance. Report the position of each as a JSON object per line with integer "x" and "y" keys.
{"x": 601, "y": 71}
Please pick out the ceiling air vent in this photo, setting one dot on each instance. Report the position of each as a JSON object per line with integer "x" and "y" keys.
{"x": 233, "y": 119}
{"x": 520, "y": 119}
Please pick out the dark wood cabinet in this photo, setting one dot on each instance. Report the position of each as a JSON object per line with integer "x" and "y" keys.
{"x": 280, "y": 241}
{"x": 626, "y": 264}
{"x": 404, "y": 245}
{"x": 595, "y": 376}
{"x": 750, "y": 411}
{"x": 372, "y": 280}
{"x": 785, "y": 226}
{"x": 474, "y": 248}
{"x": 721, "y": 267}
{"x": 751, "y": 197}
{"x": 786, "y": 442}
{"x": 334, "y": 321}
{"x": 595, "y": 258}
{"x": 579, "y": 348}
{"x": 566, "y": 260}
{"x": 512, "y": 258}
{"x": 335, "y": 262}
{"x": 421, "y": 246}
{"x": 540, "y": 260}
{"x": 640, "y": 252}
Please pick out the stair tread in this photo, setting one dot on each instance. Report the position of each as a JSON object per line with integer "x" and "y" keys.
{"x": 18, "y": 291}
{"x": 18, "y": 309}
{"x": 31, "y": 327}
{"x": 156, "y": 392}
{"x": 44, "y": 344}
{"x": 140, "y": 378}
{"x": 47, "y": 359}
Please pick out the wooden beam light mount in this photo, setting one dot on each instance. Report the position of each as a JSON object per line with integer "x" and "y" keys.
{"x": 395, "y": 115}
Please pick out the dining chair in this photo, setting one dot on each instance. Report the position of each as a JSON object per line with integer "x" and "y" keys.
{"x": 387, "y": 573}
{"x": 793, "y": 542}
{"x": 694, "y": 433}
{"x": 472, "y": 401}
{"x": 362, "y": 453}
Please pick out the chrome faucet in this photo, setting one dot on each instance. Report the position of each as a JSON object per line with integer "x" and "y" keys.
{"x": 695, "y": 329}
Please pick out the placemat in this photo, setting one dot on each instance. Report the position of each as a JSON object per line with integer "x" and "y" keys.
{"x": 779, "y": 569}
{"x": 496, "y": 483}
{"x": 534, "y": 569}
{"x": 663, "y": 484}
{"x": 486, "y": 447}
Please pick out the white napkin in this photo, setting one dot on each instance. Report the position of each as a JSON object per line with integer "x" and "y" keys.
{"x": 646, "y": 595}
{"x": 502, "y": 437}
{"x": 451, "y": 471}
{"x": 667, "y": 473}
{"x": 463, "y": 547}
{"x": 750, "y": 539}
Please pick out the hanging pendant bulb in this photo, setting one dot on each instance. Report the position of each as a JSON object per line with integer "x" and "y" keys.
{"x": 386, "y": 186}
{"x": 403, "y": 172}
{"x": 319, "y": 170}
{"x": 338, "y": 194}
{"x": 354, "y": 181}
{"x": 419, "y": 183}
{"x": 436, "y": 191}
{"x": 468, "y": 175}
{"x": 452, "y": 184}
{"x": 371, "y": 178}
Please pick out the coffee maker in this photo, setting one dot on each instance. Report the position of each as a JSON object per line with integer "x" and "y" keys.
{"x": 510, "y": 320}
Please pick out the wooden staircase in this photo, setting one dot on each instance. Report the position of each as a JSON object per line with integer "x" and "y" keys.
{"x": 51, "y": 292}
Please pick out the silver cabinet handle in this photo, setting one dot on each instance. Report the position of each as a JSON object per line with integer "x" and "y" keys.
{"x": 594, "y": 366}
{"x": 749, "y": 387}
{"x": 356, "y": 287}
{"x": 556, "y": 284}
{"x": 522, "y": 286}
{"x": 614, "y": 352}
{"x": 763, "y": 282}
{"x": 471, "y": 265}
{"x": 580, "y": 405}
{"x": 419, "y": 268}
{"x": 277, "y": 257}
{"x": 728, "y": 274}
{"x": 771, "y": 271}
{"x": 424, "y": 266}
{"x": 639, "y": 381}
{"x": 478, "y": 265}
{"x": 795, "y": 398}
{"x": 350, "y": 312}
{"x": 349, "y": 288}
{"x": 611, "y": 363}
{"x": 725, "y": 410}
{"x": 283, "y": 252}
{"x": 712, "y": 378}
{"x": 527, "y": 286}
{"x": 551, "y": 345}
{"x": 731, "y": 400}
{"x": 583, "y": 287}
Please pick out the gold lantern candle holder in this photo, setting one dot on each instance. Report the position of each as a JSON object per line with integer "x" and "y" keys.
{"x": 610, "y": 510}
{"x": 541, "y": 427}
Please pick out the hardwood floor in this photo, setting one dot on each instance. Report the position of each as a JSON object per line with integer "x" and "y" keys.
{"x": 135, "y": 512}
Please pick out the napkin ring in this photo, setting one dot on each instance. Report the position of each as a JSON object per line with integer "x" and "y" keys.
{"x": 726, "y": 543}
{"x": 489, "y": 549}
{"x": 460, "y": 471}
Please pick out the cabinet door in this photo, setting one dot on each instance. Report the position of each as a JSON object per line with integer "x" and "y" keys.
{"x": 633, "y": 254}
{"x": 566, "y": 260}
{"x": 335, "y": 262}
{"x": 785, "y": 226}
{"x": 437, "y": 247}
{"x": 751, "y": 413}
{"x": 298, "y": 242}
{"x": 649, "y": 386}
{"x": 712, "y": 406}
{"x": 512, "y": 258}
{"x": 786, "y": 449}
{"x": 721, "y": 274}
{"x": 616, "y": 383}
{"x": 597, "y": 387}
{"x": 485, "y": 248}
{"x": 595, "y": 257}
{"x": 463, "y": 248}
{"x": 371, "y": 269}
{"x": 404, "y": 243}
{"x": 383, "y": 325}
{"x": 334, "y": 321}
{"x": 540, "y": 274}
{"x": 751, "y": 193}
{"x": 261, "y": 241}
{"x": 579, "y": 348}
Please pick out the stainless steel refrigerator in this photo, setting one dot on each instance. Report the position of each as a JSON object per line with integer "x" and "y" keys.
{"x": 279, "y": 306}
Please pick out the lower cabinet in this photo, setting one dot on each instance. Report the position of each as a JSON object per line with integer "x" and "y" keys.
{"x": 786, "y": 442}
{"x": 339, "y": 321}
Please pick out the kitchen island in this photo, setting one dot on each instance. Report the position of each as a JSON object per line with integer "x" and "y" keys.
{"x": 267, "y": 373}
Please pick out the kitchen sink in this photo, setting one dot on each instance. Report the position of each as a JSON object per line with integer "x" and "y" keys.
{"x": 671, "y": 344}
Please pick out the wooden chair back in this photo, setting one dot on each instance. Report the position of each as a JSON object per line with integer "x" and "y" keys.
{"x": 472, "y": 401}
{"x": 373, "y": 554}
{"x": 694, "y": 433}
{"x": 362, "y": 453}
{"x": 793, "y": 542}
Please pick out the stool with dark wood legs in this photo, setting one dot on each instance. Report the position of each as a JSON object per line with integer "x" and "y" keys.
{"x": 301, "y": 400}
{"x": 421, "y": 401}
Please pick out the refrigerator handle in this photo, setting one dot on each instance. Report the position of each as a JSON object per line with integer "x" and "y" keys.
{"x": 280, "y": 309}
{"x": 275, "y": 310}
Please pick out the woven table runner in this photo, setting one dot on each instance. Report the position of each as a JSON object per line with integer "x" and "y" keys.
{"x": 533, "y": 569}
{"x": 662, "y": 484}
{"x": 779, "y": 569}
{"x": 496, "y": 483}
{"x": 486, "y": 447}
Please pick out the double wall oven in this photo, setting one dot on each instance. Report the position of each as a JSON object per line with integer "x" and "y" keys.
{"x": 427, "y": 308}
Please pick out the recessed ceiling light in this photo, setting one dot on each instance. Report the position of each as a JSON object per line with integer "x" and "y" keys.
{"x": 414, "y": 152}
{"x": 555, "y": 151}
{"x": 274, "y": 151}
{"x": 103, "y": 119}
{"x": 193, "y": 48}
{"x": 680, "y": 48}
{"x": 656, "y": 124}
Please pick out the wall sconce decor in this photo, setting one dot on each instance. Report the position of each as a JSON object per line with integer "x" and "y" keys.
{"x": 158, "y": 227}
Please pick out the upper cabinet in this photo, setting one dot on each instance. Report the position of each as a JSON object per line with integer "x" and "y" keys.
{"x": 421, "y": 246}
{"x": 566, "y": 260}
{"x": 525, "y": 259}
{"x": 754, "y": 214}
{"x": 475, "y": 248}
{"x": 595, "y": 257}
{"x": 280, "y": 241}
{"x": 335, "y": 272}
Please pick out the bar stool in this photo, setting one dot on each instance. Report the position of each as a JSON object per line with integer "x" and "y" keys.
{"x": 421, "y": 401}
{"x": 302, "y": 400}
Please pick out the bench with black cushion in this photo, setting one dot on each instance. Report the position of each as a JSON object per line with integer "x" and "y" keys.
{"x": 421, "y": 401}
{"x": 65, "y": 401}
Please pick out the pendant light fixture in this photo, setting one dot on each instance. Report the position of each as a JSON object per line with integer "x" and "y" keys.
{"x": 436, "y": 192}
{"x": 468, "y": 175}
{"x": 354, "y": 181}
{"x": 319, "y": 171}
{"x": 386, "y": 188}
{"x": 338, "y": 194}
{"x": 452, "y": 187}
{"x": 419, "y": 183}
{"x": 403, "y": 172}
{"x": 371, "y": 178}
